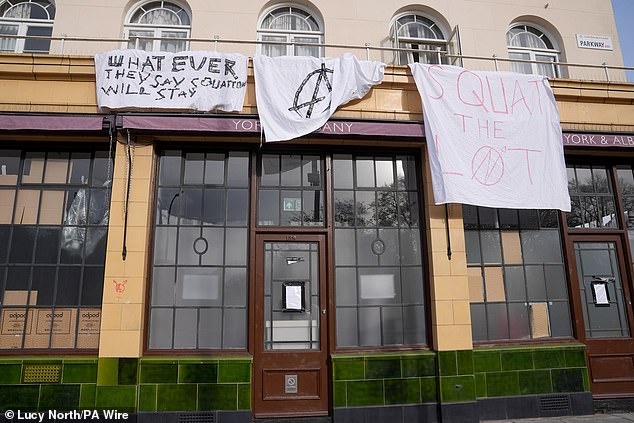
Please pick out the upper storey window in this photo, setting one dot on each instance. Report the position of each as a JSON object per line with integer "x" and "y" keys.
{"x": 290, "y": 24}
{"x": 162, "y": 20}
{"x": 416, "y": 32}
{"x": 529, "y": 43}
{"x": 32, "y": 18}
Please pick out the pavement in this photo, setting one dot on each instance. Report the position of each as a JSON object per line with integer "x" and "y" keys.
{"x": 595, "y": 418}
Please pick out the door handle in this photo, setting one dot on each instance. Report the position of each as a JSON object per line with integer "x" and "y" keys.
{"x": 323, "y": 311}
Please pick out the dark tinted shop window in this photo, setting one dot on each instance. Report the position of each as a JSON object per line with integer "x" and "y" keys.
{"x": 291, "y": 190}
{"x": 591, "y": 197}
{"x": 199, "y": 283}
{"x": 379, "y": 287}
{"x": 54, "y": 209}
{"x": 517, "y": 281}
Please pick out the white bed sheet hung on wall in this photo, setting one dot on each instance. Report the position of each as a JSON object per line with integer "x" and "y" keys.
{"x": 493, "y": 138}
{"x": 297, "y": 95}
{"x": 190, "y": 80}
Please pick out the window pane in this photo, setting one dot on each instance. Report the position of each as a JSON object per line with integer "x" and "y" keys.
{"x": 379, "y": 280}
{"x": 36, "y": 45}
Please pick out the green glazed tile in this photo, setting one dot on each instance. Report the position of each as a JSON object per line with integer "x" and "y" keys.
{"x": 428, "y": 389}
{"x": 368, "y": 392}
{"x": 418, "y": 366}
{"x": 173, "y": 397}
{"x": 549, "y": 358}
{"x": 198, "y": 373}
{"x": 234, "y": 371}
{"x": 87, "y": 396}
{"x": 586, "y": 380}
{"x": 457, "y": 388}
{"x": 147, "y": 397}
{"x": 159, "y": 372}
{"x": 107, "y": 371}
{"x": 402, "y": 391}
{"x": 128, "y": 371}
{"x": 217, "y": 396}
{"x": 79, "y": 373}
{"x": 465, "y": 362}
{"x": 567, "y": 380}
{"x": 447, "y": 365}
{"x": 348, "y": 368}
{"x": 10, "y": 374}
{"x": 516, "y": 360}
{"x": 481, "y": 385}
{"x": 501, "y": 384}
{"x": 59, "y": 397}
{"x": 122, "y": 398}
{"x": 244, "y": 396}
{"x": 535, "y": 382}
{"x": 20, "y": 397}
{"x": 575, "y": 358}
{"x": 486, "y": 361}
{"x": 339, "y": 394}
{"x": 381, "y": 368}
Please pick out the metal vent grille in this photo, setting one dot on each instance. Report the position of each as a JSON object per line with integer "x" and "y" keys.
{"x": 197, "y": 418}
{"x": 554, "y": 404}
{"x": 42, "y": 373}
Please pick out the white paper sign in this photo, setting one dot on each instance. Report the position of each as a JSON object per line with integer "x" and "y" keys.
{"x": 598, "y": 42}
{"x": 293, "y": 297}
{"x": 493, "y": 138}
{"x": 297, "y": 95}
{"x": 600, "y": 293}
{"x": 194, "y": 80}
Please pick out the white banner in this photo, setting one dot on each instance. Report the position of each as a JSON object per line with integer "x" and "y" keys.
{"x": 297, "y": 95}
{"x": 493, "y": 138}
{"x": 194, "y": 80}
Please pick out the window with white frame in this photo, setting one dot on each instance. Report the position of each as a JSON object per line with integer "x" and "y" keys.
{"x": 290, "y": 24}
{"x": 526, "y": 42}
{"x": 417, "y": 32}
{"x": 30, "y": 18}
{"x": 164, "y": 21}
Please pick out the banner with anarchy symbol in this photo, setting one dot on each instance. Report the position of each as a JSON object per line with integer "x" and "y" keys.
{"x": 297, "y": 95}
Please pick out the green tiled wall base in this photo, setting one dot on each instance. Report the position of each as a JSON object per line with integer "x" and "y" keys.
{"x": 384, "y": 379}
{"x": 529, "y": 371}
{"x": 75, "y": 389}
{"x": 130, "y": 384}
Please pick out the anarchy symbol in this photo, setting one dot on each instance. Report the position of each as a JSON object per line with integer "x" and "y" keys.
{"x": 321, "y": 78}
{"x": 487, "y": 166}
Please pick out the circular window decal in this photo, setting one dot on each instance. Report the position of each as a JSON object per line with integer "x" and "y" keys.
{"x": 378, "y": 247}
{"x": 200, "y": 245}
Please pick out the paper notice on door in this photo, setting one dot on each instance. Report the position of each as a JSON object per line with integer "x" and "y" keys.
{"x": 540, "y": 326}
{"x": 293, "y": 297}
{"x": 600, "y": 291}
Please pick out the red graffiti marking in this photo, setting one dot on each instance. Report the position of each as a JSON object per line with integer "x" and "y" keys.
{"x": 119, "y": 287}
{"x": 487, "y": 166}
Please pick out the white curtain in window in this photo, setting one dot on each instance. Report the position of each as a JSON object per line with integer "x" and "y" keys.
{"x": 19, "y": 11}
{"x": 8, "y": 44}
{"x": 160, "y": 17}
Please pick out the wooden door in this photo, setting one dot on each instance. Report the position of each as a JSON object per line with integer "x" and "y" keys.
{"x": 603, "y": 300}
{"x": 290, "y": 374}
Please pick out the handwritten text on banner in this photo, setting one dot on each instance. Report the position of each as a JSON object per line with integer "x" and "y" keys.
{"x": 493, "y": 138}
{"x": 195, "y": 80}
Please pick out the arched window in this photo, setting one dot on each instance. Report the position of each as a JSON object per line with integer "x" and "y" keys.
{"x": 417, "y": 32}
{"x": 158, "y": 19}
{"x": 290, "y": 24}
{"x": 26, "y": 18}
{"x": 526, "y": 42}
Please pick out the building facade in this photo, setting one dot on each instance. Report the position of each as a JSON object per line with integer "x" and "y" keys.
{"x": 172, "y": 262}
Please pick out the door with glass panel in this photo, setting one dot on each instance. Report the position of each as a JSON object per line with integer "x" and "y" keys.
{"x": 601, "y": 272}
{"x": 290, "y": 355}
{"x": 605, "y": 301}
